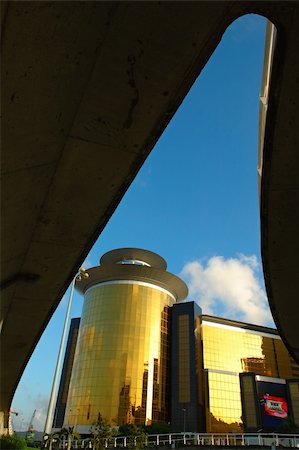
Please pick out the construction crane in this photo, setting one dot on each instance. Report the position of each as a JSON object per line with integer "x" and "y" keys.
{"x": 30, "y": 434}
{"x": 30, "y": 426}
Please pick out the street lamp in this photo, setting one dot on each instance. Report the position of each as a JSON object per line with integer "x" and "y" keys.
{"x": 184, "y": 418}
{"x": 82, "y": 274}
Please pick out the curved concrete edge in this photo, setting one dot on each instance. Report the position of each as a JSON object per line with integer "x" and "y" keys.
{"x": 279, "y": 189}
{"x": 54, "y": 217}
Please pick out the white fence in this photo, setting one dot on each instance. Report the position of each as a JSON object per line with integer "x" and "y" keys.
{"x": 174, "y": 440}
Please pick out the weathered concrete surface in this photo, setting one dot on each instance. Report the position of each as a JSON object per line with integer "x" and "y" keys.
{"x": 87, "y": 89}
{"x": 279, "y": 199}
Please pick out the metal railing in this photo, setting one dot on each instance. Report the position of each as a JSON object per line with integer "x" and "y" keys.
{"x": 174, "y": 440}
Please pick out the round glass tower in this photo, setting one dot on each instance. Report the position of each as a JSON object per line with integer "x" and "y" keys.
{"x": 121, "y": 365}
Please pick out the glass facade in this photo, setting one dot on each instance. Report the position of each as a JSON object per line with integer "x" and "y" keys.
{"x": 184, "y": 359}
{"x": 293, "y": 386}
{"x": 133, "y": 317}
{"x": 121, "y": 363}
{"x": 186, "y": 367}
{"x": 66, "y": 374}
{"x": 249, "y": 407}
{"x": 227, "y": 351}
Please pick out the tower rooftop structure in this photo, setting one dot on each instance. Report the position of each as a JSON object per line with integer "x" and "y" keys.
{"x": 134, "y": 264}
{"x": 122, "y": 356}
{"x": 134, "y": 256}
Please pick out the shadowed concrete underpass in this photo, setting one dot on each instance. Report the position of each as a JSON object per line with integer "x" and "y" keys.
{"x": 87, "y": 89}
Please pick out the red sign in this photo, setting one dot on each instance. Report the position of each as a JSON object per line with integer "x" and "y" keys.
{"x": 275, "y": 406}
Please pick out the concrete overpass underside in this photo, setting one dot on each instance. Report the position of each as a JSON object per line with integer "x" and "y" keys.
{"x": 87, "y": 89}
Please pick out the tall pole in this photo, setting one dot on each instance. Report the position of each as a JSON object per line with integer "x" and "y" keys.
{"x": 184, "y": 412}
{"x": 48, "y": 425}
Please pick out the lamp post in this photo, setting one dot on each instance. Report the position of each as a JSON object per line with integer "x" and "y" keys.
{"x": 184, "y": 419}
{"x": 78, "y": 277}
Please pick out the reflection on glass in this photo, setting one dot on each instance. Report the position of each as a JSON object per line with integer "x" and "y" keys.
{"x": 122, "y": 357}
{"x": 229, "y": 351}
{"x": 225, "y": 402}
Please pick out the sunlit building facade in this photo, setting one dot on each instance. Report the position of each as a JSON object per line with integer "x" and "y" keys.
{"x": 121, "y": 364}
{"x": 207, "y": 377}
{"x": 231, "y": 348}
{"x": 145, "y": 356}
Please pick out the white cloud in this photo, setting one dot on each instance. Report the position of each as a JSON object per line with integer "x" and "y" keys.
{"x": 41, "y": 403}
{"x": 38, "y": 402}
{"x": 229, "y": 288}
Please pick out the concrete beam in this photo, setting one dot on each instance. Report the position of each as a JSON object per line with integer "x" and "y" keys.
{"x": 88, "y": 88}
{"x": 280, "y": 180}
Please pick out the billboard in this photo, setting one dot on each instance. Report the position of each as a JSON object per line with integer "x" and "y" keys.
{"x": 273, "y": 404}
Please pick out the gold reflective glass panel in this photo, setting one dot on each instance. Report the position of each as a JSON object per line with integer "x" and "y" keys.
{"x": 229, "y": 352}
{"x": 224, "y": 412}
{"x": 121, "y": 363}
{"x": 241, "y": 351}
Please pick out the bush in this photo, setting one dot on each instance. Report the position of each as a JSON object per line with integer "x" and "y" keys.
{"x": 12, "y": 442}
{"x": 158, "y": 428}
{"x": 135, "y": 435}
{"x": 34, "y": 444}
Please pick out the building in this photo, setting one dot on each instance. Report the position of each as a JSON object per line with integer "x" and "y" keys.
{"x": 66, "y": 374}
{"x": 206, "y": 378}
{"x": 186, "y": 367}
{"x": 121, "y": 364}
{"x": 145, "y": 356}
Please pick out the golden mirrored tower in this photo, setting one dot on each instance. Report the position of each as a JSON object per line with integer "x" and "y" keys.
{"x": 121, "y": 363}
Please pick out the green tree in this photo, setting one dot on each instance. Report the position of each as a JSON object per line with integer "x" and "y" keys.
{"x": 135, "y": 435}
{"x": 70, "y": 435}
{"x": 158, "y": 428}
{"x": 124, "y": 430}
{"x": 12, "y": 442}
{"x": 101, "y": 432}
{"x": 49, "y": 438}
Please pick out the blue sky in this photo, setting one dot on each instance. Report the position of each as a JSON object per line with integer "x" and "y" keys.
{"x": 194, "y": 202}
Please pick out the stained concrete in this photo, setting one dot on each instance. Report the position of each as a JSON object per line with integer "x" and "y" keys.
{"x": 87, "y": 89}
